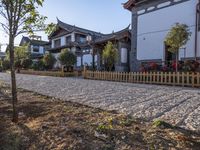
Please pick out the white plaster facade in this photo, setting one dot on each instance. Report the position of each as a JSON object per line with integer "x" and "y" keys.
{"x": 124, "y": 55}
{"x": 154, "y": 26}
{"x": 57, "y": 63}
{"x": 87, "y": 59}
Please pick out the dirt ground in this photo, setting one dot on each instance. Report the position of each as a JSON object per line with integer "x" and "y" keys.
{"x": 47, "y": 123}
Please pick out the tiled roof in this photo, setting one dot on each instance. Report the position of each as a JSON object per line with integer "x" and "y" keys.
{"x": 114, "y": 35}
{"x": 33, "y": 42}
{"x": 38, "y": 42}
{"x": 69, "y": 45}
{"x": 71, "y": 28}
{"x": 131, "y": 3}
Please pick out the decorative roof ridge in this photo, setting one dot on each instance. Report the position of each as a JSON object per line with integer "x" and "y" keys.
{"x": 129, "y": 4}
{"x": 33, "y": 39}
{"x": 71, "y": 28}
{"x": 120, "y": 31}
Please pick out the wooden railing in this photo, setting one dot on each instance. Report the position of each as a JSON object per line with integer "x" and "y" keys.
{"x": 162, "y": 78}
{"x": 52, "y": 73}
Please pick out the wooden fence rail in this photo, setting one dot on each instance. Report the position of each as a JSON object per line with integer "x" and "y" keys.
{"x": 162, "y": 78}
{"x": 52, "y": 73}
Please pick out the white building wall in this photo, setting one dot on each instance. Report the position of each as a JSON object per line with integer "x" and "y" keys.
{"x": 78, "y": 64}
{"x": 52, "y": 44}
{"x": 63, "y": 40}
{"x": 153, "y": 28}
{"x": 87, "y": 59}
{"x": 124, "y": 55}
{"x": 57, "y": 63}
{"x": 73, "y": 38}
{"x": 41, "y": 50}
{"x": 31, "y": 48}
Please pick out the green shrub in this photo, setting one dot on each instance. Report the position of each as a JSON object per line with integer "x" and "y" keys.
{"x": 26, "y": 63}
{"x": 110, "y": 55}
{"x": 67, "y": 58}
{"x": 38, "y": 65}
{"x": 18, "y": 64}
{"x": 5, "y": 64}
{"x": 49, "y": 61}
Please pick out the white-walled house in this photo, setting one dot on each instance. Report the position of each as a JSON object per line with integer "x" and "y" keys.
{"x": 37, "y": 47}
{"x": 152, "y": 20}
{"x": 88, "y": 45}
{"x": 76, "y": 39}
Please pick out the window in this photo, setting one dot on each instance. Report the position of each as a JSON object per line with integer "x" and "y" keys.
{"x": 81, "y": 38}
{"x": 57, "y": 43}
{"x": 36, "y": 49}
{"x": 68, "y": 39}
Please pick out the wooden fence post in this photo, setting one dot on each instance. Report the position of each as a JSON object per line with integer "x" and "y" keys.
{"x": 84, "y": 72}
{"x": 193, "y": 79}
{"x": 198, "y": 79}
{"x": 164, "y": 78}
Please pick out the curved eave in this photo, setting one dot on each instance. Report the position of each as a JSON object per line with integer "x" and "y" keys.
{"x": 114, "y": 36}
{"x": 69, "y": 45}
{"x": 129, "y": 4}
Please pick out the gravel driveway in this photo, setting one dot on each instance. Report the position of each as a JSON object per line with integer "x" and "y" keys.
{"x": 177, "y": 105}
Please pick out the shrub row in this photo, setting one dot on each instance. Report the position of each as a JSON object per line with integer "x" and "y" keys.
{"x": 185, "y": 66}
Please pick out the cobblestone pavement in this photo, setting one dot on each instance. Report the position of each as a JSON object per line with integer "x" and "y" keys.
{"x": 177, "y": 105}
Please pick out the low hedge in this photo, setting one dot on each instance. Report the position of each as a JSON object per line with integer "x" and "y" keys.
{"x": 52, "y": 73}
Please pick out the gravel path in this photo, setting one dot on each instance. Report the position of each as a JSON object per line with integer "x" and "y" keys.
{"x": 177, "y": 105}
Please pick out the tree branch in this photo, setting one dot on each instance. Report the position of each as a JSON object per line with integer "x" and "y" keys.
{"x": 6, "y": 29}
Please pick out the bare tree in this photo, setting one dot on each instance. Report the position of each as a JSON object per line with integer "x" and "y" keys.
{"x": 19, "y": 16}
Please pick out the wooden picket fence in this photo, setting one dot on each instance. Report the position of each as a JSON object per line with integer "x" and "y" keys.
{"x": 161, "y": 78}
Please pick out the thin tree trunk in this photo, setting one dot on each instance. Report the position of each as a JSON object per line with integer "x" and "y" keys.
{"x": 13, "y": 80}
{"x": 177, "y": 61}
{"x": 93, "y": 62}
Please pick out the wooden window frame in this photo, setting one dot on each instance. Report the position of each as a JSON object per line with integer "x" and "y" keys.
{"x": 68, "y": 39}
{"x": 57, "y": 44}
{"x": 36, "y": 49}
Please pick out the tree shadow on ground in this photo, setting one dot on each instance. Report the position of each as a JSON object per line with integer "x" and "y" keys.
{"x": 15, "y": 136}
{"x": 54, "y": 124}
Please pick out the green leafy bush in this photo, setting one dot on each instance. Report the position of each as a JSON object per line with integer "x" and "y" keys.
{"x": 17, "y": 64}
{"x": 38, "y": 65}
{"x": 67, "y": 58}
{"x": 26, "y": 63}
{"x": 5, "y": 64}
{"x": 110, "y": 55}
{"x": 49, "y": 61}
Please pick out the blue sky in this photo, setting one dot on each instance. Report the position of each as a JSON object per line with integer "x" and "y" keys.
{"x": 98, "y": 15}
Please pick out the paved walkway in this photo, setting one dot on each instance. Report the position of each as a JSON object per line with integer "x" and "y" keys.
{"x": 180, "y": 106}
